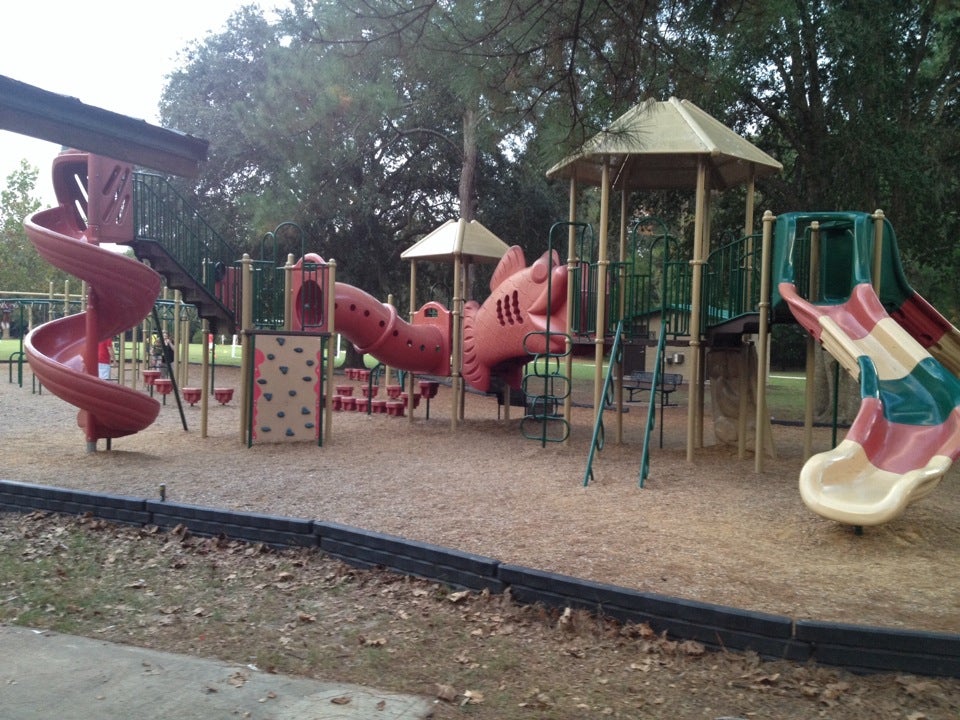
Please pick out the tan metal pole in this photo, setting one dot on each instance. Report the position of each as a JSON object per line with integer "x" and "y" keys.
{"x": 388, "y": 378}
{"x": 602, "y": 263}
{"x": 288, "y": 293}
{"x": 693, "y": 400}
{"x": 748, "y": 287}
{"x": 410, "y": 377}
{"x": 813, "y": 293}
{"x": 455, "y": 377}
{"x": 704, "y": 255}
{"x": 177, "y": 328}
{"x": 571, "y": 266}
{"x": 331, "y": 349}
{"x": 622, "y": 306}
{"x": 204, "y": 378}
{"x": 134, "y": 355}
{"x": 763, "y": 345}
{"x": 877, "y": 249}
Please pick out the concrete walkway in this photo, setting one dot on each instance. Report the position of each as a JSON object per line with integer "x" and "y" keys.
{"x": 46, "y": 675}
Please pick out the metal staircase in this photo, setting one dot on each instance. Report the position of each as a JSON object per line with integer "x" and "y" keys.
{"x": 185, "y": 249}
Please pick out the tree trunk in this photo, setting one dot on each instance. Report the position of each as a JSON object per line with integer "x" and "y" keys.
{"x": 468, "y": 172}
{"x": 468, "y": 182}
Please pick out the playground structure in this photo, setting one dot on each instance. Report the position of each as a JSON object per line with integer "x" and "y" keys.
{"x": 857, "y": 303}
{"x": 529, "y": 328}
{"x": 121, "y": 291}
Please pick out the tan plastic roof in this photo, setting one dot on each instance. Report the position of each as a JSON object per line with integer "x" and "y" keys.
{"x": 479, "y": 244}
{"x": 657, "y": 145}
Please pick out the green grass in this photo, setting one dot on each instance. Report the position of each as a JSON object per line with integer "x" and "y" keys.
{"x": 786, "y": 395}
{"x": 223, "y": 352}
{"x": 785, "y": 390}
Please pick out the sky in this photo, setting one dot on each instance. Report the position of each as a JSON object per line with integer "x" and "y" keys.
{"x": 110, "y": 54}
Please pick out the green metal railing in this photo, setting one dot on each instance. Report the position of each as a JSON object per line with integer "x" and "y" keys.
{"x": 652, "y": 409}
{"x": 163, "y": 216}
{"x": 583, "y": 279}
{"x": 655, "y": 279}
{"x": 732, "y": 280}
{"x": 597, "y": 440}
{"x": 27, "y": 313}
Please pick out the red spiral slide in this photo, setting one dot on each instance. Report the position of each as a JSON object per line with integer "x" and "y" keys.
{"x": 94, "y": 203}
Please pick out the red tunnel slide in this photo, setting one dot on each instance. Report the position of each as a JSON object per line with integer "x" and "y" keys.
{"x": 376, "y": 328}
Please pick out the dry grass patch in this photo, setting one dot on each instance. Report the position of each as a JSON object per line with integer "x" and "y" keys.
{"x": 480, "y": 655}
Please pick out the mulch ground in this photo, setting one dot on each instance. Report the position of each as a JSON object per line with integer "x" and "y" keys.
{"x": 711, "y": 530}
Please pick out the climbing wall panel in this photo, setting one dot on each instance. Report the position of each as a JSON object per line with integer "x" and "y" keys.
{"x": 286, "y": 388}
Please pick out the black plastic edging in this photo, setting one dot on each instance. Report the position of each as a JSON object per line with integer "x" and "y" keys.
{"x": 716, "y": 637}
{"x": 861, "y": 648}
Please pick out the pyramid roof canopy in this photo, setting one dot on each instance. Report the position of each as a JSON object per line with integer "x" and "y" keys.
{"x": 479, "y": 244}
{"x": 658, "y": 146}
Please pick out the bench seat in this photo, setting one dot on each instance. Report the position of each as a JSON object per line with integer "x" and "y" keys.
{"x": 641, "y": 381}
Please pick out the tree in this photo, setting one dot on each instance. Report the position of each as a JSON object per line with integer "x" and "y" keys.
{"x": 857, "y": 99}
{"x": 370, "y": 124}
{"x": 21, "y": 267}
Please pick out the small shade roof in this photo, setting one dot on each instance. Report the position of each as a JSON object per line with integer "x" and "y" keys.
{"x": 38, "y": 113}
{"x": 479, "y": 244}
{"x": 657, "y": 145}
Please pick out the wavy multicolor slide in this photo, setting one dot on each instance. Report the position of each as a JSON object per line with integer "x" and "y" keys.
{"x": 907, "y": 432}
{"x": 63, "y": 353}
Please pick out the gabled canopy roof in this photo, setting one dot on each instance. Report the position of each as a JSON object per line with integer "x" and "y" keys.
{"x": 479, "y": 244}
{"x": 658, "y": 145}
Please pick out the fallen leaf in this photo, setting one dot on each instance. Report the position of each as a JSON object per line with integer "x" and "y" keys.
{"x": 458, "y": 596}
{"x": 238, "y": 679}
{"x": 915, "y": 686}
{"x": 692, "y": 648}
{"x": 341, "y": 700}
{"x": 447, "y": 693}
{"x": 472, "y": 697}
